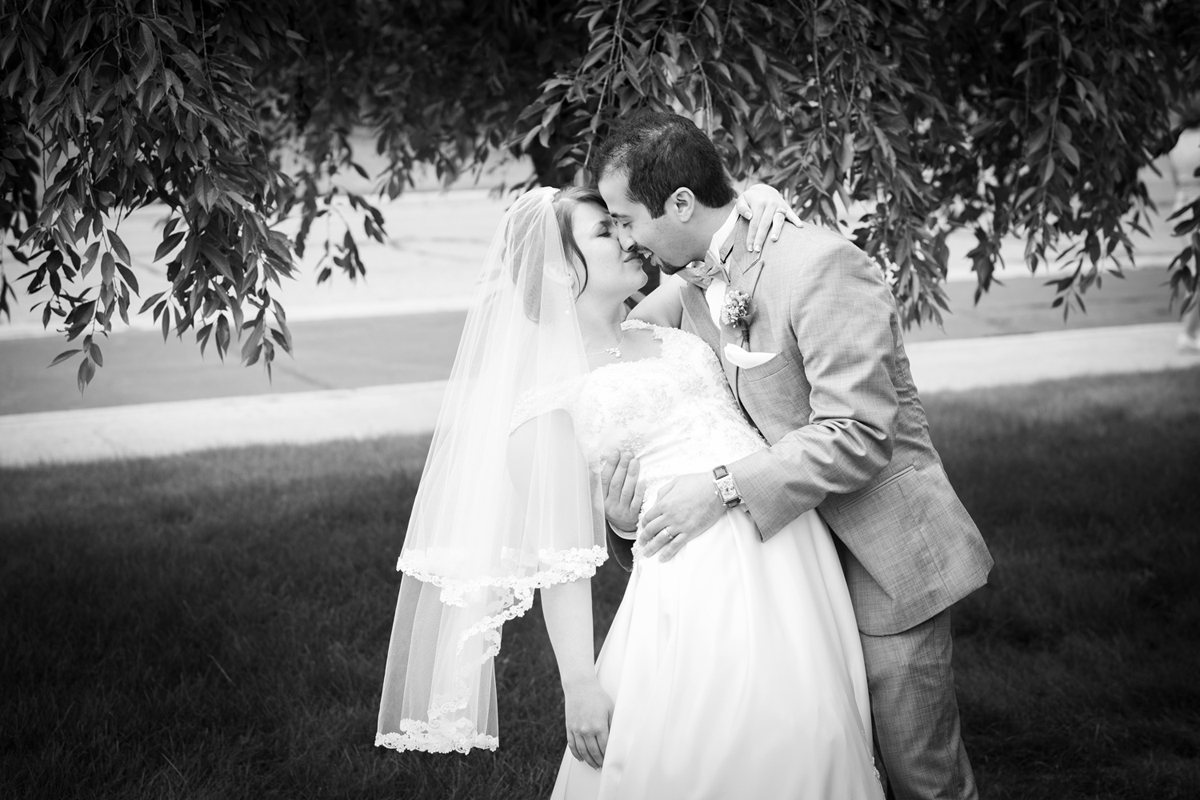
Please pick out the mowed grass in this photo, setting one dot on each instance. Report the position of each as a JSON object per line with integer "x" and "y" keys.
{"x": 215, "y": 625}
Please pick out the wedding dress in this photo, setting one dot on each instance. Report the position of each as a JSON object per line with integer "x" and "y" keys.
{"x": 735, "y": 668}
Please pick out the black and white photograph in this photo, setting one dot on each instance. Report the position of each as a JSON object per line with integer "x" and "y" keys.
{"x": 599, "y": 399}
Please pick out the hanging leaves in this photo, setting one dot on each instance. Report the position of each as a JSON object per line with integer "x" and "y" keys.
{"x": 902, "y": 120}
{"x": 905, "y": 121}
{"x": 102, "y": 107}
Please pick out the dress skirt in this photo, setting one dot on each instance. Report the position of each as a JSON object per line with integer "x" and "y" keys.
{"x": 736, "y": 673}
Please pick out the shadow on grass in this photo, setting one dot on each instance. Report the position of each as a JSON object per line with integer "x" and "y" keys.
{"x": 215, "y": 625}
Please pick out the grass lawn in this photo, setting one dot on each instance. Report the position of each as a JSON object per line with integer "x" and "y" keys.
{"x": 215, "y": 625}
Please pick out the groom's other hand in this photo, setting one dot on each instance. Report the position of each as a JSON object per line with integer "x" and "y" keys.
{"x": 686, "y": 508}
{"x": 622, "y": 491}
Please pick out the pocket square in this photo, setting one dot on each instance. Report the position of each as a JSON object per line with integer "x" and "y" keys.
{"x": 746, "y": 359}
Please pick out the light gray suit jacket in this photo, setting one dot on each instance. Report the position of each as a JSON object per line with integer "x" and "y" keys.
{"x": 847, "y": 432}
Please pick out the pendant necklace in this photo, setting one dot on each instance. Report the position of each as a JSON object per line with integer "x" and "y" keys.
{"x": 614, "y": 351}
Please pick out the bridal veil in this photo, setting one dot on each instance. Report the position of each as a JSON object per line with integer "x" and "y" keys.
{"x": 506, "y": 503}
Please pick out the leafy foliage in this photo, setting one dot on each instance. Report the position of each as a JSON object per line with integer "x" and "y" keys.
{"x": 904, "y": 119}
{"x": 111, "y": 107}
{"x": 1028, "y": 116}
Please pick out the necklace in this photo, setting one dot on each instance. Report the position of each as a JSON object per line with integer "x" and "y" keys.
{"x": 614, "y": 351}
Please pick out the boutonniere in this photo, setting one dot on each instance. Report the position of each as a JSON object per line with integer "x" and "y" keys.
{"x": 736, "y": 310}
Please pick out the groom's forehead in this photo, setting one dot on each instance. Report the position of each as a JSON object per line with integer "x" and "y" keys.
{"x": 614, "y": 187}
{"x": 621, "y": 207}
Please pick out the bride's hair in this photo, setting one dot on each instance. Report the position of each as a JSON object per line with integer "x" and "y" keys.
{"x": 565, "y": 203}
{"x": 526, "y": 248}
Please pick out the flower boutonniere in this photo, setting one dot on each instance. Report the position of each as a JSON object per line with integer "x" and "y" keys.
{"x": 736, "y": 310}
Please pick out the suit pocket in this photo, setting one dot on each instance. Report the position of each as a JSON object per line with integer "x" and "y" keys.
{"x": 885, "y": 532}
{"x": 867, "y": 493}
{"x": 776, "y": 365}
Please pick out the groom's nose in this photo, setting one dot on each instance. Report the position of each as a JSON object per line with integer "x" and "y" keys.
{"x": 626, "y": 240}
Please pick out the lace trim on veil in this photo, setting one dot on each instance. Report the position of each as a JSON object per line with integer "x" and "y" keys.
{"x": 441, "y": 733}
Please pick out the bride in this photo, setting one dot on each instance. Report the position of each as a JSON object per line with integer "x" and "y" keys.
{"x": 733, "y": 670}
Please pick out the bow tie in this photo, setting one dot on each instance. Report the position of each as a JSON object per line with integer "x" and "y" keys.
{"x": 701, "y": 273}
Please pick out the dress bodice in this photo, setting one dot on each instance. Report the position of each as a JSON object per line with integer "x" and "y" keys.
{"x": 674, "y": 412}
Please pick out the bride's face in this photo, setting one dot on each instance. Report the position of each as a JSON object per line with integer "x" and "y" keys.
{"x": 610, "y": 270}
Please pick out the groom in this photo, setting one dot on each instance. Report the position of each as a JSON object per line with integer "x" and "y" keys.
{"x": 817, "y": 362}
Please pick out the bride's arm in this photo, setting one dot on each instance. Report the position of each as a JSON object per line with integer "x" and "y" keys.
{"x": 567, "y": 608}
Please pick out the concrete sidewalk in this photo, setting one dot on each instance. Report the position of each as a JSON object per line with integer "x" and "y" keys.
{"x": 157, "y": 429}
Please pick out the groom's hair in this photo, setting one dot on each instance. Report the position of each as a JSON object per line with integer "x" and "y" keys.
{"x": 660, "y": 152}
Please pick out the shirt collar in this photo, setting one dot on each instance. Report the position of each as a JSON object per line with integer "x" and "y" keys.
{"x": 719, "y": 238}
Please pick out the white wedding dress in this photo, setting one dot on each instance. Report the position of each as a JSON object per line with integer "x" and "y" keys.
{"x": 735, "y": 668}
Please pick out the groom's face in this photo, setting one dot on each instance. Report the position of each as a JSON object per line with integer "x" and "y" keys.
{"x": 637, "y": 229}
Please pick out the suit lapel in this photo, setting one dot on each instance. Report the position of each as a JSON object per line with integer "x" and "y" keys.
{"x": 695, "y": 308}
{"x": 744, "y": 268}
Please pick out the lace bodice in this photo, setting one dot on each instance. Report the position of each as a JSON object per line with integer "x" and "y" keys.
{"x": 675, "y": 413}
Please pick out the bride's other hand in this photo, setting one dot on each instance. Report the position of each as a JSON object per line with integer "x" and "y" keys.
{"x": 622, "y": 491}
{"x": 567, "y": 608}
{"x": 589, "y": 713}
{"x": 767, "y": 211}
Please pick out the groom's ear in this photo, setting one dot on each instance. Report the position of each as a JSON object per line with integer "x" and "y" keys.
{"x": 681, "y": 204}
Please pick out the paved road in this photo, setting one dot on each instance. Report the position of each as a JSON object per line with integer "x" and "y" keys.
{"x": 155, "y": 429}
{"x": 410, "y": 348}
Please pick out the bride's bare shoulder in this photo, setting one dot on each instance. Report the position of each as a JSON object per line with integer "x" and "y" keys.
{"x": 663, "y": 306}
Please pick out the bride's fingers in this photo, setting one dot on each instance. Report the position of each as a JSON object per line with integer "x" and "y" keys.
{"x": 578, "y": 746}
{"x": 629, "y": 488}
{"x": 583, "y": 751}
{"x": 595, "y": 753}
{"x": 602, "y": 742}
{"x": 639, "y": 494}
{"x": 781, "y": 217}
{"x": 759, "y": 229}
{"x": 610, "y": 469}
{"x": 617, "y": 479}
{"x": 756, "y": 231}
{"x": 777, "y": 223}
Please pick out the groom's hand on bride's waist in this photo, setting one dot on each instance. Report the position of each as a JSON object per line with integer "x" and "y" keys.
{"x": 686, "y": 507}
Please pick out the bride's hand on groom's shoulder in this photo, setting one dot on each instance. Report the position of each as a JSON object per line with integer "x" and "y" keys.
{"x": 767, "y": 212}
{"x": 622, "y": 491}
{"x": 588, "y": 715}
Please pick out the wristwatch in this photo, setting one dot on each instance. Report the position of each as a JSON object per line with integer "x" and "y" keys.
{"x": 726, "y": 488}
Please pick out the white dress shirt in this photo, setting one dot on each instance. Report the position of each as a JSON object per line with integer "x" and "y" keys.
{"x": 715, "y": 293}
